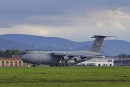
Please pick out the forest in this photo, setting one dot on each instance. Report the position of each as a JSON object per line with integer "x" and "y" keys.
{"x": 9, "y": 53}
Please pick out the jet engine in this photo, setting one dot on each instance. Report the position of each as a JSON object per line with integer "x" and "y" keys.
{"x": 77, "y": 59}
{"x": 66, "y": 58}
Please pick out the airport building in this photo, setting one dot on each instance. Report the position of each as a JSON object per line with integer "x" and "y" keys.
{"x": 98, "y": 62}
{"x": 12, "y": 62}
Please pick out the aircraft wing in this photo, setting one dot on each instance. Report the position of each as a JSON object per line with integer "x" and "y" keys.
{"x": 75, "y": 55}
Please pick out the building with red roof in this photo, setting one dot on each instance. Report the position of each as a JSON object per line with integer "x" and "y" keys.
{"x": 12, "y": 62}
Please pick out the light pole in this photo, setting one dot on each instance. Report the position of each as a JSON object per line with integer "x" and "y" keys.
{"x": 121, "y": 55}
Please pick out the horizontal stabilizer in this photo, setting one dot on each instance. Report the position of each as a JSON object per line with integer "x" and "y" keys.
{"x": 101, "y": 36}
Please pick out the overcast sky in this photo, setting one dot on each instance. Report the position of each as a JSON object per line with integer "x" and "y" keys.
{"x": 76, "y": 20}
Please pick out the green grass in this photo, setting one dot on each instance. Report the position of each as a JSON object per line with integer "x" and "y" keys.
{"x": 65, "y": 77}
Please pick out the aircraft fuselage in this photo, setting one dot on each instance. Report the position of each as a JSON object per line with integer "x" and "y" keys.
{"x": 48, "y": 57}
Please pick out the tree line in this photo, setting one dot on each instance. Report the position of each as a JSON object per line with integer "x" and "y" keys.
{"x": 9, "y": 53}
{"x": 123, "y": 55}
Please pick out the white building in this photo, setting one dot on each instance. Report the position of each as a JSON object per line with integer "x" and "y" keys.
{"x": 98, "y": 62}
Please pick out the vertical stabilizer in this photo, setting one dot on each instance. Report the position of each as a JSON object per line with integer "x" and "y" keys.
{"x": 96, "y": 47}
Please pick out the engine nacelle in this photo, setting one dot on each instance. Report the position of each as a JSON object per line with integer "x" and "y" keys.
{"x": 71, "y": 61}
{"x": 77, "y": 59}
{"x": 66, "y": 58}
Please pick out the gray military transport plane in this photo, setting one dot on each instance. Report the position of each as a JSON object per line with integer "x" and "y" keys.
{"x": 57, "y": 57}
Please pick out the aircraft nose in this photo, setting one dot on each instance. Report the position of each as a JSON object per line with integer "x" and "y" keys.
{"x": 25, "y": 58}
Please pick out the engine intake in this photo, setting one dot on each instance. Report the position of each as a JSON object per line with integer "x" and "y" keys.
{"x": 66, "y": 58}
{"x": 77, "y": 59}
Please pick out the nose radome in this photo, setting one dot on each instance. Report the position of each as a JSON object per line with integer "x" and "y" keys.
{"x": 25, "y": 58}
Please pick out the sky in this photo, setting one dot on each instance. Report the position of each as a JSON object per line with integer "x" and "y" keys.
{"x": 76, "y": 20}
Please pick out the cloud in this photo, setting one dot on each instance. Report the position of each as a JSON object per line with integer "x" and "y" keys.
{"x": 81, "y": 26}
{"x": 76, "y": 20}
{"x": 15, "y": 12}
{"x": 110, "y": 22}
{"x": 113, "y": 19}
{"x": 26, "y": 29}
{"x": 49, "y": 20}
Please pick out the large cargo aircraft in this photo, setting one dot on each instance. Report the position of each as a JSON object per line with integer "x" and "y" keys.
{"x": 65, "y": 57}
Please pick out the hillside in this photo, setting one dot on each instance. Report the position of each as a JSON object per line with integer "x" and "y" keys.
{"x": 9, "y": 44}
{"x": 21, "y": 41}
{"x": 43, "y": 42}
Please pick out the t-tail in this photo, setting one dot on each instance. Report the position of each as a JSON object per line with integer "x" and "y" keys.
{"x": 96, "y": 47}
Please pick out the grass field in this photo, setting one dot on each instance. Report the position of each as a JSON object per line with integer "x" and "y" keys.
{"x": 65, "y": 77}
